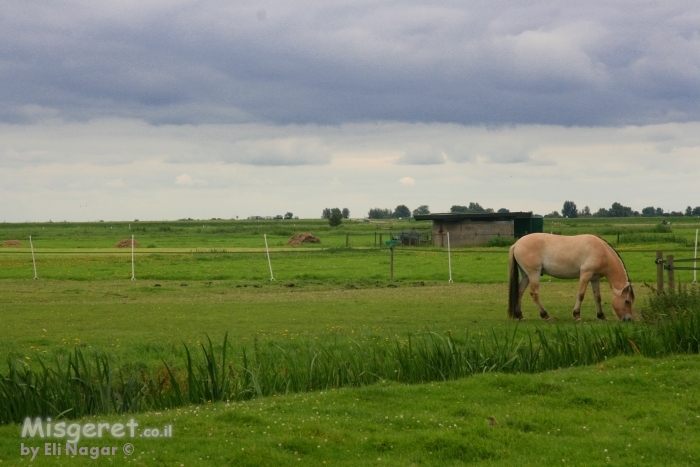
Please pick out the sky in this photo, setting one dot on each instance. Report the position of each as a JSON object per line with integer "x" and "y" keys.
{"x": 158, "y": 110}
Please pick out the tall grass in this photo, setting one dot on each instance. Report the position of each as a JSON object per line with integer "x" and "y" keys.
{"x": 634, "y": 238}
{"x": 76, "y": 387}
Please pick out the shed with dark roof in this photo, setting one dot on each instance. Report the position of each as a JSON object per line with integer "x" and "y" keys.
{"x": 474, "y": 229}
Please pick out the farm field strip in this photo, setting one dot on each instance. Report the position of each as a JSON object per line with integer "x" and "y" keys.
{"x": 629, "y": 411}
{"x": 193, "y": 282}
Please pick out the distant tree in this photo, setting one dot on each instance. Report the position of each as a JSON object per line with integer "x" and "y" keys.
{"x": 379, "y": 213}
{"x": 649, "y": 211}
{"x": 421, "y": 210}
{"x": 602, "y": 212}
{"x": 659, "y": 211}
{"x": 553, "y": 214}
{"x": 569, "y": 209}
{"x": 326, "y": 213}
{"x": 289, "y": 215}
{"x": 336, "y": 217}
{"x": 402, "y": 212}
{"x": 472, "y": 208}
{"x": 618, "y": 210}
{"x": 476, "y": 207}
{"x": 688, "y": 211}
{"x": 503, "y": 211}
{"x": 346, "y": 213}
{"x": 586, "y": 212}
{"x": 696, "y": 211}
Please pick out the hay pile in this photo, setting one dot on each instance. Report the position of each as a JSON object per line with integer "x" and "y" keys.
{"x": 126, "y": 243}
{"x": 305, "y": 237}
{"x": 12, "y": 243}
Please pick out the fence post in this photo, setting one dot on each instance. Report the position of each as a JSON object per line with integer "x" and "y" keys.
{"x": 391, "y": 271}
{"x": 671, "y": 274}
{"x": 375, "y": 238}
{"x": 380, "y": 239}
{"x": 659, "y": 272}
{"x": 347, "y": 240}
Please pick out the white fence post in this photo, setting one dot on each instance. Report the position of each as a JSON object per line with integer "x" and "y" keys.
{"x": 33, "y": 260}
{"x": 449, "y": 257}
{"x": 133, "y": 277}
{"x": 269, "y": 263}
{"x": 695, "y": 263}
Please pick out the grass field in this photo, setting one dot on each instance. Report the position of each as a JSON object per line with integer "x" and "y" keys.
{"x": 199, "y": 278}
{"x": 629, "y": 411}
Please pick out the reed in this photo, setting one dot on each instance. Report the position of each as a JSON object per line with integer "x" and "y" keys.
{"x": 77, "y": 386}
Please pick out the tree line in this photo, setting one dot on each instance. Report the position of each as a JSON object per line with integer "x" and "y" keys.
{"x": 335, "y": 216}
{"x": 403, "y": 212}
{"x": 570, "y": 210}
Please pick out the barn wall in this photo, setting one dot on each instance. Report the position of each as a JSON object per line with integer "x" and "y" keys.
{"x": 469, "y": 233}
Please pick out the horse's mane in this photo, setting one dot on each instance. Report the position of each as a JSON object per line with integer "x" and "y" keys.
{"x": 618, "y": 255}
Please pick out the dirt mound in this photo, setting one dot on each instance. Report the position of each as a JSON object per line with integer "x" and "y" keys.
{"x": 305, "y": 237}
{"x": 12, "y": 243}
{"x": 126, "y": 243}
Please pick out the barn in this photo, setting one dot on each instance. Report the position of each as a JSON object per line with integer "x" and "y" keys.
{"x": 474, "y": 229}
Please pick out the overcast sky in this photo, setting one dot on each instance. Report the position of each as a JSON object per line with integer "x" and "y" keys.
{"x": 163, "y": 110}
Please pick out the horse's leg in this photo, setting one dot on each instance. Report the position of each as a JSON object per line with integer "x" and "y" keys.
{"x": 582, "y": 284}
{"x": 535, "y": 293}
{"x": 524, "y": 281}
{"x": 595, "y": 285}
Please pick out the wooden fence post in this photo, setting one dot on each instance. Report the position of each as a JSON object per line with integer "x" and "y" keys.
{"x": 375, "y": 238}
{"x": 347, "y": 240}
{"x": 391, "y": 271}
{"x": 380, "y": 239}
{"x": 659, "y": 272}
{"x": 671, "y": 274}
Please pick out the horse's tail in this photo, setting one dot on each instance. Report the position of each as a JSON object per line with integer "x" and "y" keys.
{"x": 513, "y": 291}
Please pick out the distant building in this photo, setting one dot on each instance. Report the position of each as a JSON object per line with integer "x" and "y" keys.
{"x": 472, "y": 229}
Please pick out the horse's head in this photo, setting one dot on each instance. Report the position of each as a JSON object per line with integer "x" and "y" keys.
{"x": 622, "y": 304}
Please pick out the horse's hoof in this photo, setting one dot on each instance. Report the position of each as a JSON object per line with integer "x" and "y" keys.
{"x": 521, "y": 320}
{"x": 577, "y": 320}
{"x": 548, "y": 319}
{"x": 603, "y": 318}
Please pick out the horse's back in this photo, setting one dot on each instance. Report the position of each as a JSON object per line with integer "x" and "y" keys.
{"x": 559, "y": 255}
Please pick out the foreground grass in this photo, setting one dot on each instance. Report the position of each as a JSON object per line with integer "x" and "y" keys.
{"x": 138, "y": 323}
{"x": 627, "y": 411}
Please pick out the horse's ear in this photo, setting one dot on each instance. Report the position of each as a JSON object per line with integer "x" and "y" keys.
{"x": 628, "y": 291}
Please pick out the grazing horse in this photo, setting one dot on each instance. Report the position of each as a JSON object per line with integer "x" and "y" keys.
{"x": 586, "y": 257}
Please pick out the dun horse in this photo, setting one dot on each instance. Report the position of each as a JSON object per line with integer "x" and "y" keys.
{"x": 586, "y": 257}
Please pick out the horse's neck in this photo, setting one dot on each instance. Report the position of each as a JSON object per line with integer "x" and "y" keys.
{"x": 616, "y": 274}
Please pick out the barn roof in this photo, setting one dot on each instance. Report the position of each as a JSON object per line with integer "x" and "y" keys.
{"x": 481, "y": 216}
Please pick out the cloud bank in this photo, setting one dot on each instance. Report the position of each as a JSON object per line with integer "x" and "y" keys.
{"x": 495, "y": 63}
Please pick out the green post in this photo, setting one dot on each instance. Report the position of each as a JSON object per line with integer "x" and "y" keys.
{"x": 391, "y": 271}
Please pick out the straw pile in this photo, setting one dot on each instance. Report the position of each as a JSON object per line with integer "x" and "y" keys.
{"x": 12, "y": 243}
{"x": 126, "y": 243}
{"x": 305, "y": 237}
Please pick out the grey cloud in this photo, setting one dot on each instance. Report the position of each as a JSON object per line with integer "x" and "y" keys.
{"x": 501, "y": 62}
{"x": 283, "y": 151}
{"x": 422, "y": 154}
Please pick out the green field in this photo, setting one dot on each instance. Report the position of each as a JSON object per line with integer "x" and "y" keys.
{"x": 199, "y": 278}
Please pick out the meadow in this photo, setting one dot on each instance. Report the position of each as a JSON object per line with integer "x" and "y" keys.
{"x": 205, "y": 279}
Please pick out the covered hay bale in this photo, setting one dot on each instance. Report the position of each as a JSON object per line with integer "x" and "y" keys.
{"x": 305, "y": 237}
{"x": 12, "y": 243}
{"x": 126, "y": 243}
